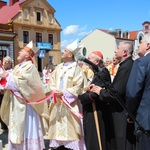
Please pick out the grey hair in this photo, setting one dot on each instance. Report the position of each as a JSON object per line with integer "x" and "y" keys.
{"x": 8, "y": 59}
{"x": 128, "y": 46}
{"x": 109, "y": 59}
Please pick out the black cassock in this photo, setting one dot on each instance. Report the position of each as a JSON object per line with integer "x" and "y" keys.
{"x": 104, "y": 116}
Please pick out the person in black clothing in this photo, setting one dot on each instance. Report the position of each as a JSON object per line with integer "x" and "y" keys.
{"x": 124, "y": 137}
{"x": 89, "y": 126}
{"x": 138, "y": 98}
{"x": 3, "y": 125}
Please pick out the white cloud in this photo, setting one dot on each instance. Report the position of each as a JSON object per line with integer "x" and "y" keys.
{"x": 64, "y": 43}
{"x": 71, "y": 30}
{"x": 74, "y": 32}
{"x": 85, "y": 33}
{"x": 83, "y": 28}
{"x": 110, "y": 29}
{"x": 82, "y": 33}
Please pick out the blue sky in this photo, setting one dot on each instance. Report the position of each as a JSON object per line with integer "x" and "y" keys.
{"x": 79, "y": 17}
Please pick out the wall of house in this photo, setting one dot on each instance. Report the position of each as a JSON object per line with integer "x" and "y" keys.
{"x": 99, "y": 40}
{"x": 146, "y": 27}
{"x": 26, "y": 20}
{"x": 6, "y": 40}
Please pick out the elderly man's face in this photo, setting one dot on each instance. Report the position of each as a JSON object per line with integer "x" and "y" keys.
{"x": 66, "y": 54}
{"x": 142, "y": 48}
{"x": 7, "y": 64}
{"x": 22, "y": 55}
{"x": 108, "y": 62}
{"x": 92, "y": 58}
{"x": 120, "y": 51}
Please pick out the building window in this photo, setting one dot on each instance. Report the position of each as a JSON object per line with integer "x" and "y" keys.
{"x": 38, "y": 16}
{"x": 146, "y": 27}
{"x": 25, "y": 36}
{"x": 50, "y": 38}
{"x": 38, "y": 37}
{"x": 51, "y": 19}
{"x": 20, "y": 17}
{"x": 3, "y": 54}
{"x": 51, "y": 59}
{"x": 123, "y": 34}
{"x": 26, "y": 14}
{"x": 119, "y": 34}
{"x": 127, "y": 34}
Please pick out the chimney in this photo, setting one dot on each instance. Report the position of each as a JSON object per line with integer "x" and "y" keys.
{"x": 12, "y": 2}
{"x": 2, "y": 4}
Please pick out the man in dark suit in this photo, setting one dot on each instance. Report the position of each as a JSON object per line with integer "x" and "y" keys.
{"x": 138, "y": 91}
{"x": 118, "y": 87}
{"x": 89, "y": 126}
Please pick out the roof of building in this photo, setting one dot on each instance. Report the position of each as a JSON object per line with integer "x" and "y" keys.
{"x": 9, "y": 12}
{"x": 133, "y": 34}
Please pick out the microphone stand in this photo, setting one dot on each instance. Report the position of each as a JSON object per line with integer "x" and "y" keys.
{"x": 140, "y": 129}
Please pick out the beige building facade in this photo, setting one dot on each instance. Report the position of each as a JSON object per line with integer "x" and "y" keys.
{"x": 99, "y": 40}
{"x": 6, "y": 40}
{"x": 107, "y": 41}
{"x": 34, "y": 20}
{"x": 146, "y": 27}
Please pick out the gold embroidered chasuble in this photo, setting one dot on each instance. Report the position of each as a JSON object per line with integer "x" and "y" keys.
{"x": 63, "y": 124}
{"x": 13, "y": 109}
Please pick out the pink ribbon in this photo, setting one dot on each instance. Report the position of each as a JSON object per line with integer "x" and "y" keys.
{"x": 71, "y": 109}
{"x": 52, "y": 98}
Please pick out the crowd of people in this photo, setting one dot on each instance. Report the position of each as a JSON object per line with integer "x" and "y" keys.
{"x": 81, "y": 107}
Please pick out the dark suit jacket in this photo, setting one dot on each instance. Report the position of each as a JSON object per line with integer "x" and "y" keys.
{"x": 118, "y": 87}
{"x": 138, "y": 91}
{"x": 90, "y": 133}
{"x": 115, "y": 90}
{"x": 101, "y": 79}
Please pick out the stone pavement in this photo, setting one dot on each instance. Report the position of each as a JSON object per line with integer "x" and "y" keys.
{"x": 4, "y": 138}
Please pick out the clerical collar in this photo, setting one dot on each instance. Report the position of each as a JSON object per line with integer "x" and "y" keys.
{"x": 68, "y": 63}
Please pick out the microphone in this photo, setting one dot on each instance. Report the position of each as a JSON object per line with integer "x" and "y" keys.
{"x": 82, "y": 58}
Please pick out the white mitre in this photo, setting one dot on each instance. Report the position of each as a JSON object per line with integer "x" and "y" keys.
{"x": 30, "y": 49}
{"x": 73, "y": 47}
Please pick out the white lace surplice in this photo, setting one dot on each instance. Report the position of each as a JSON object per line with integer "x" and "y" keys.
{"x": 33, "y": 136}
